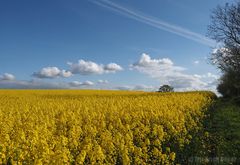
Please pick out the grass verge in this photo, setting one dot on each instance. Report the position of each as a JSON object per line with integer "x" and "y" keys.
{"x": 219, "y": 141}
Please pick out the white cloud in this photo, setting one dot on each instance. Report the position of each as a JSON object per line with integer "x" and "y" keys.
{"x": 156, "y": 67}
{"x": 39, "y": 84}
{"x": 123, "y": 87}
{"x": 166, "y": 72}
{"x": 86, "y": 68}
{"x": 143, "y": 87}
{"x": 48, "y": 72}
{"x": 90, "y": 67}
{"x": 7, "y": 77}
{"x": 196, "y": 62}
{"x": 112, "y": 67}
{"x": 197, "y": 76}
{"x": 210, "y": 75}
{"x": 146, "y": 61}
{"x": 207, "y": 75}
{"x": 65, "y": 73}
{"x": 79, "y": 84}
{"x": 88, "y": 83}
{"x": 75, "y": 83}
{"x": 52, "y": 72}
{"x": 140, "y": 87}
{"x": 102, "y": 82}
{"x": 32, "y": 84}
{"x": 184, "y": 82}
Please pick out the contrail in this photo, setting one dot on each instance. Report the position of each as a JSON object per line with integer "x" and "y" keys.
{"x": 154, "y": 22}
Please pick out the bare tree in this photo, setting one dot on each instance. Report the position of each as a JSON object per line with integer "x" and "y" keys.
{"x": 225, "y": 29}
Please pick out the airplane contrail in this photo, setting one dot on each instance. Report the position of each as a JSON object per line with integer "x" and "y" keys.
{"x": 154, "y": 22}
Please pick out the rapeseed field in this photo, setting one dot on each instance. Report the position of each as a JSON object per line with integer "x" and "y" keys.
{"x": 98, "y": 127}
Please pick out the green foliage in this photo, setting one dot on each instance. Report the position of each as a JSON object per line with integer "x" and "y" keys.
{"x": 230, "y": 84}
{"x": 166, "y": 88}
{"x": 219, "y": 141}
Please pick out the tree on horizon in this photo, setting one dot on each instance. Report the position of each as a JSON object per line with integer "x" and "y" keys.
{"x": 166, "y": 88}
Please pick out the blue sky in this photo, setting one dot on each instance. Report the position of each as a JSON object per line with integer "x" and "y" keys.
{"x": 109, "y": 44}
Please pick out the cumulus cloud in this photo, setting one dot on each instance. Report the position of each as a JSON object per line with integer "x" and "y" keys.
{"x": 7, "y": 77}
{"x": 65, "y": 73}
{"x": 79, "y": 84}
{"x": 155, "y": 67}
{"x": 146, "y": 61}
{"x": 82, "y": 67}
{"x": 90, "y": 67}
{"x": 52, "y": 72}
{"x": 112, "y": 67}
{"x": 168, "y": 73}
{"x": 86, "y": 68}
